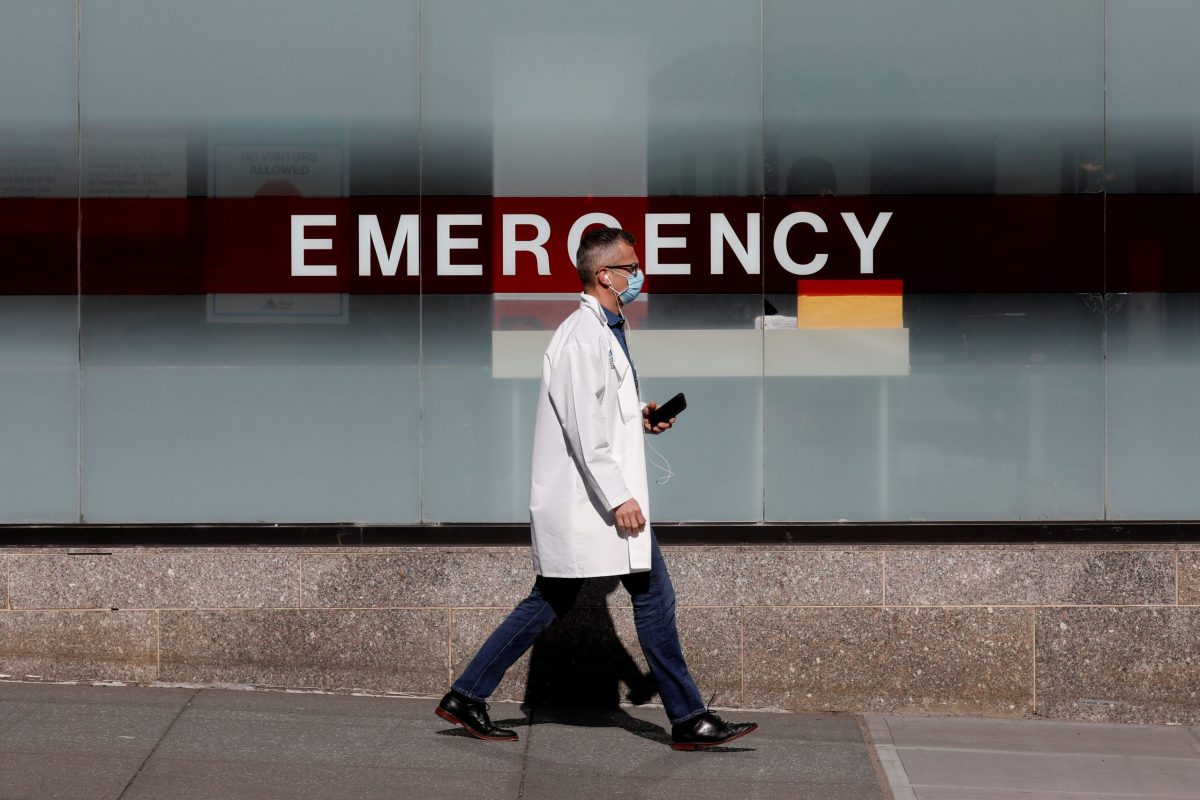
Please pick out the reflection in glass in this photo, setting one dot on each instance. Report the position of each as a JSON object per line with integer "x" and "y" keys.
{"x": 37, "y": 93}
{"x": 182, "y": 107}
{"x": 931, "y": 96}
{"x": 536, "y": 98}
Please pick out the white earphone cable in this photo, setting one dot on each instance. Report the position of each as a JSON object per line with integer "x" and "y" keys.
{"x": 668, "y": 473}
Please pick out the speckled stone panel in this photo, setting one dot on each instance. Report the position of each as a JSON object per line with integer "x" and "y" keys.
{"x": 1119, "y": 664}
{"x": 1189, "y": 578}
{"x": 5, "y": 568}
{"x": 156, "y": 579}
{"x": 416, "y": 578}
{"x": 1023, "y": 577}
{"x": 592, "y": 656}
{"x": 78, "y": 645}
{"x": 904, "y": 660}
{"x": 752, "y": 576}
{"x": 401, "y": 650}
{"x": 737, "y": 576}
{"x": 483, "y": 578}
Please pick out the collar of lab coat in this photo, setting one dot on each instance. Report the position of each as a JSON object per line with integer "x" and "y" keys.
{"x": 618, "y": 354}
{"x": 586, "y": 300}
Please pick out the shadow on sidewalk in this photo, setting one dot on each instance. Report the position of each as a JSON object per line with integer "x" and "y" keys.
{"x": 579, "y": 668}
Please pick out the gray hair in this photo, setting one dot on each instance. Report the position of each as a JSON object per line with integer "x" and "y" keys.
{"x": 594, "y": 248}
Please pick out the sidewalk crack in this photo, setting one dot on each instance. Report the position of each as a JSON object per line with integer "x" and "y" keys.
{"x": 524, "y": 754}
{"x": 154, "y": 749}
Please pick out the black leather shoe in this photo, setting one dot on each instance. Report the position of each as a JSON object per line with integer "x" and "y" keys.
{"x": 707, "y": 730}
{"x": 473, "y": 716}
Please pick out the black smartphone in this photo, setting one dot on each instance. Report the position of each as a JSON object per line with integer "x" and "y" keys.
{"x": 669, "y": 409}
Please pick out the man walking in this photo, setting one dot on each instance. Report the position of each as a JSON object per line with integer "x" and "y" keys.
{"x": 588, "y": 502}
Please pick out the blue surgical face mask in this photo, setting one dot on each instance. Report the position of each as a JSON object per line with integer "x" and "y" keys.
{"x": 633, "y": 289}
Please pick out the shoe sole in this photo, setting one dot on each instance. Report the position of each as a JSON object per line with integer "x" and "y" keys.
{"x": 707, "y": 745}
{"x": 446, "y": 715}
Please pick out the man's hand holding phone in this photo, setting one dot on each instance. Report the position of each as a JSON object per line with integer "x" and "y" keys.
{"x": 656, "y": 418}
{"x": 655, "y": 429}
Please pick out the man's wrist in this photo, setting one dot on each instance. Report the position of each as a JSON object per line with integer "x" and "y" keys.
{"x": 622, "y": 500}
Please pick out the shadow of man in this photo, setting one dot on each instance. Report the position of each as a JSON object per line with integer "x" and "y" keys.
{"x": 578, "y": 666}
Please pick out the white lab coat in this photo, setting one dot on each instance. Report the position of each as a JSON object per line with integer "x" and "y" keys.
{"x": 588, "y": 453}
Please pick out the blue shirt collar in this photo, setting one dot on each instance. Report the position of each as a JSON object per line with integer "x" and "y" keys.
{"x": 614, "y": 320}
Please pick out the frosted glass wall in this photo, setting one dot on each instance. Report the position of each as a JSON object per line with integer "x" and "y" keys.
{"x": 39, "y": 356}
{"x": 1039, "y": 162}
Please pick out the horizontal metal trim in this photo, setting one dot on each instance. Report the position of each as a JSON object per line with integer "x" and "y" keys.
{"x": 683, "y": 533}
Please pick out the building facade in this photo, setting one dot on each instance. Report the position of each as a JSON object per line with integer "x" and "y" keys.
{"x": 275, "y": 278}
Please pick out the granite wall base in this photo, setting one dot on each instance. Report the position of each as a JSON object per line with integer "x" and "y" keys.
{"x": 1090, "y": 632}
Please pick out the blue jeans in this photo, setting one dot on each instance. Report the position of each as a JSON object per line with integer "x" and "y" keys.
{"x": 653, "y": 613}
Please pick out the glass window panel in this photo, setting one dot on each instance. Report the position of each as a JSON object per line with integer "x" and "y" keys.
{"x": 1153, "y": 100}
{"x": 1153, "y": 417}
{"x": 37, "y": 92}
{"x": 934, "y": 96}
{"x": 477, "y": 426}
{"x": 188, "y": 418}
{"x": 39, "y": 348}
{"x": 39, "y": 409}
{"x": 215, "y": 387}
{"x": 544, "y": 99}
{"x": 1153, "y": 106}
{"x": 991, "y": 409}
{"x": 706, "y": 346}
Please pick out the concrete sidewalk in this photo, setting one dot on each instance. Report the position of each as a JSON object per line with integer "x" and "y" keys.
{"x": 972, "y": 758}
{"x": 84, "y": 741}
